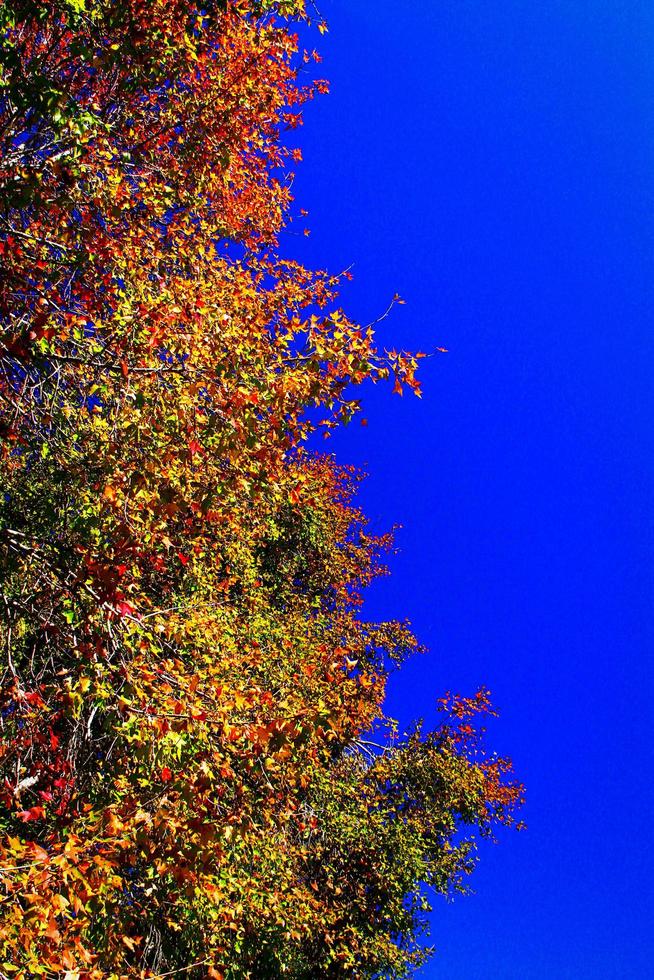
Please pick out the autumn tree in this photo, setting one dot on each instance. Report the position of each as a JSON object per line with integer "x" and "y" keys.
{"x": 197, "y": 773}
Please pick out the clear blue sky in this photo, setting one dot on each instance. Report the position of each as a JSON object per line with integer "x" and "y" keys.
{"x": 493, "y": 162}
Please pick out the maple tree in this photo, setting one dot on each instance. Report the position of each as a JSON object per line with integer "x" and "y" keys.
{"x": 197, "y": 773}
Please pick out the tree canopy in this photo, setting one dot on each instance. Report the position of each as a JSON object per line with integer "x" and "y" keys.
{"x": 197, "y": 774}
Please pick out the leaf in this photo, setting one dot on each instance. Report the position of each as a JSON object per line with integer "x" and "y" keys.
{"x": 34, "y": 813}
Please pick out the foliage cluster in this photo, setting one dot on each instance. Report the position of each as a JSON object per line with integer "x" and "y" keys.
{"x": 196, "y": 772}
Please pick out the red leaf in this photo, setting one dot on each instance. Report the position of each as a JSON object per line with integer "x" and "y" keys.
{"x": 35, "y": 813}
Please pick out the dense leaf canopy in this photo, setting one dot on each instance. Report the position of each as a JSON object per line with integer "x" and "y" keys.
{"x": 197, "y": 776}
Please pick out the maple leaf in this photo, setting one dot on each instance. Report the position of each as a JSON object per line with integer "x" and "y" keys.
{"x": 34, "y": 813}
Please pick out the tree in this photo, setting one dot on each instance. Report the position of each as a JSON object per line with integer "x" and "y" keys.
{"x": 197, "y": 773}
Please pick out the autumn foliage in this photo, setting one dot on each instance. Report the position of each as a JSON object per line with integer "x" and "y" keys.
{"x": 196, "y": 773}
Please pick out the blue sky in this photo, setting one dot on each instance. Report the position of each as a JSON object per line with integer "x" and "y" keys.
{"x": 494, "y": 164}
